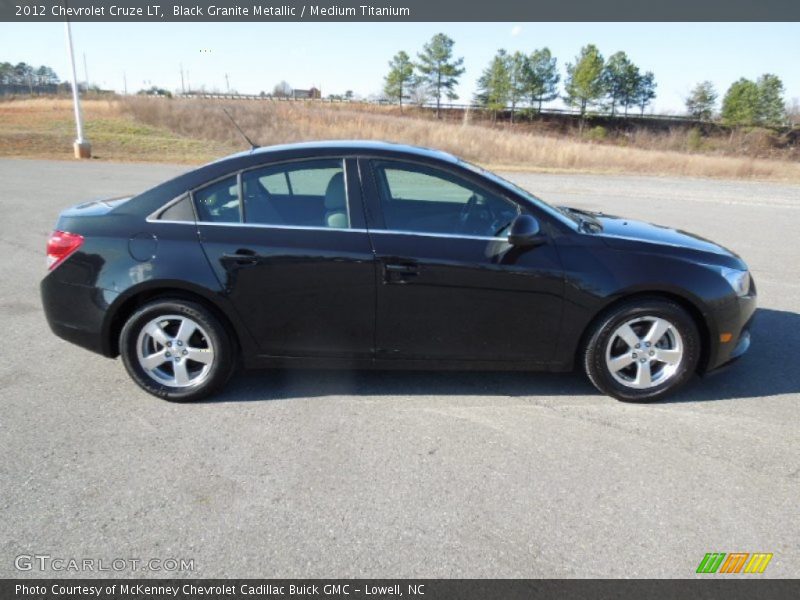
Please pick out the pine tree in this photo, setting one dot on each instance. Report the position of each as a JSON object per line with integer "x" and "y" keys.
{"x": 438, "y": 68}
{"x": 494, "y": 85}
{"x": 541, "y": 82}
{"x": 399, "y": 79}
{"x": 701, "y": 101}
{"x": 585, "y": 85}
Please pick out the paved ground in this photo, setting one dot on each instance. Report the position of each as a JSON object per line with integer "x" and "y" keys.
{"x": 404, "y": 474}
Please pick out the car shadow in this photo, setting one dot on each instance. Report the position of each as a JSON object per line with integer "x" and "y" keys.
{"x": 770, "y": 368}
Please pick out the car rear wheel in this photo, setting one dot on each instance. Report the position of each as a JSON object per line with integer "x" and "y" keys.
{"x": 642, "y": 350}
{"x": 176, "y": 350}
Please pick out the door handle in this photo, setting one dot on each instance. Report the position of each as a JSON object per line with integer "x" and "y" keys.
{"x": 243, "y": 257}
{"x": 399, "y": 272}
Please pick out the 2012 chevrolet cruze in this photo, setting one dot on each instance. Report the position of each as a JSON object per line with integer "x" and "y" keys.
{"x": 365, "y": 254}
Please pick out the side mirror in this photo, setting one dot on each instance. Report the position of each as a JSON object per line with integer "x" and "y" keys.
{"x": 525, "y": 231}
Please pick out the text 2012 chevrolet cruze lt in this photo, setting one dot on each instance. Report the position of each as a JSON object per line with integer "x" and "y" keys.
{"x": 364, "y": 254}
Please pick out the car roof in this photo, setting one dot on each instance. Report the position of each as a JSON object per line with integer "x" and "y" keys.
{"x": 349, "y": 146}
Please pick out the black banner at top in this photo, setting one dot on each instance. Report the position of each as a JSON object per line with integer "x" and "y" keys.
{"x": 398, "y": 10}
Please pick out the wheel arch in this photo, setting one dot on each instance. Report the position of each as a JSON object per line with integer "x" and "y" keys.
{"x": 125, "y": 306}
{"x": 691, "y": 306}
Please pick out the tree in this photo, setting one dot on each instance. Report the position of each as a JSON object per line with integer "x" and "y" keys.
{"x": 585, "y": 85}
{"x": 438, "y": 68}
{"x": 401, "y": 72}
{"x": 517, "y": 65}
{"x": 772, "y": 108}
{"x": 282, "y": 90}
{"x": 6, "y": 73}
{"x": 755, "y": 103}
{"x": 740, "y": 106}
{"x": 701, "y": 101}
{"x": 645, "y": 91}
{"x": 418, "y": 91}
{"x": 621, "y": 79}
{"x": 793, "y": 112}
{"x": 494, "y": 85}
{"x": 541, "y": 81}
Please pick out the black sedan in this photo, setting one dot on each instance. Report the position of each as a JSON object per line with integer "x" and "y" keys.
{"x": 365, "y": 254}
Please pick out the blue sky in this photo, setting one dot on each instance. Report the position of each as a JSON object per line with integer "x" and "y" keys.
{"x": 341, "y": 56}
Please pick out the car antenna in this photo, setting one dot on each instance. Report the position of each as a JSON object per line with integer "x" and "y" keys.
{"x": 244, "y": 135}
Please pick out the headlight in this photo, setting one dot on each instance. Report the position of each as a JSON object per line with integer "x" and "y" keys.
{"x": 738, "y": 280}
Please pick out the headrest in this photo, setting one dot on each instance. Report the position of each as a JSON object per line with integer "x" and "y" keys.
{"x": 335, "y": 198}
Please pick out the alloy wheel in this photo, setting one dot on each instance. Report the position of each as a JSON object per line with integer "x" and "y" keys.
{"x": 644, "y": 352}
{"x": 175, "y": 350}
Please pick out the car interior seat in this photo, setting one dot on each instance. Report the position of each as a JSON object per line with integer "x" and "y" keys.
{"x": 336, "y": 203}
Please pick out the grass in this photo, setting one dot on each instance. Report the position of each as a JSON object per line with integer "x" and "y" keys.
{"x": 195, "y": 131}
{"x": 45, "y": 128}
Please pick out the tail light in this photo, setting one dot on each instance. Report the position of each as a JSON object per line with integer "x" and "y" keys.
{"x": 60, "y": 245}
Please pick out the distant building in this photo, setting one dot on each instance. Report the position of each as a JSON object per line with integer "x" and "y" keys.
{"x": 311, "y": 94}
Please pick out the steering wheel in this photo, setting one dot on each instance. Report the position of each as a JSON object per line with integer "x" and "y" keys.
{"x": 479, "y": 215}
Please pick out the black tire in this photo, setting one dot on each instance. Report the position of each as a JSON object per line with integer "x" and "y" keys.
{"x": 212, "y": 334}
{"x": 597, "y": 345}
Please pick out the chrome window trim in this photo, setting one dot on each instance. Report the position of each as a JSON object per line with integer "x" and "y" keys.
{"x": 265, "y": 226}
{"x": 441, "y": 235}
{"x": 349, "y": 229}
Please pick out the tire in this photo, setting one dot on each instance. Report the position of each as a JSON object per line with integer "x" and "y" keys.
{"x": 177, "y": 350}
{"x": 666, "y": 356}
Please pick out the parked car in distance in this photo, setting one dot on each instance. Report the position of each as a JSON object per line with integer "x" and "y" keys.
{"x": 369, "y": 254}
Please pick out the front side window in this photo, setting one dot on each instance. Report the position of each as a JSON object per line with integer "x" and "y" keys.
{"x": 418, "y": 198}
{"x": 219, "y": 202}
{"x": 309, "y": 193}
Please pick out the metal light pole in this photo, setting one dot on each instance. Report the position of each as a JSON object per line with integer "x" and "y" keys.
{"x": 82, "y": 147}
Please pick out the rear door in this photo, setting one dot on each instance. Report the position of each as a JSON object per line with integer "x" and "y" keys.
{"x": 289, "y": 245}
{"x": 451, "y": 287}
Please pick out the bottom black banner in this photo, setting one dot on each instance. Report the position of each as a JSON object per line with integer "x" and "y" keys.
{"x": 384, "y": 589}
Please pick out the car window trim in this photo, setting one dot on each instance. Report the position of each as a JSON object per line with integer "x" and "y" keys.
{"x": 153, "y": 217}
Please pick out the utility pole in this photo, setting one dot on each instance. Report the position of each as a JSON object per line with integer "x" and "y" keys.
{"x": 227, "y": 83}
{"x": 124, "y": 84}
{"x": 183, "y": 87}
{"x": 82, "y": 147}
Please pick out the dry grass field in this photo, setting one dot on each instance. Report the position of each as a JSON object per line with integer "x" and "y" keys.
{"x": 45, "y": 128}
{"x": 195, "y": 131}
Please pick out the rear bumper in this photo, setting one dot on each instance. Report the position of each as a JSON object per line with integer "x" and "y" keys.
{"x": 76, "y": 313}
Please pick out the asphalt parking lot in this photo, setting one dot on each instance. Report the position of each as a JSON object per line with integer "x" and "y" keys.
{"x": 376, "y": 474}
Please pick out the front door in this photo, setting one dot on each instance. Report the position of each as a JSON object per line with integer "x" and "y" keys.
{"x": 293, "y": 256}
{"x": 450, "y": 286}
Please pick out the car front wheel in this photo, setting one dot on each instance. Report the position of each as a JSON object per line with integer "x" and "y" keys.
{"x": 176, "y": 350}
{"x": 642, "y": 350}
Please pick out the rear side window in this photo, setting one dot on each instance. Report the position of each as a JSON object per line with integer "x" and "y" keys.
{"x": 219, "y": 202}
{"x": 309, "y": 193}
{"x": 178, "y": 211}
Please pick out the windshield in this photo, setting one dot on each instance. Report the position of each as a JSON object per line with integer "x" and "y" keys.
{"x": 562, "y": 215}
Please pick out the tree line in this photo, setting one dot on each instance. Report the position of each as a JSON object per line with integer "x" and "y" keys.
{"x": 746, "y": 102}
{"x": 519, "y": 79}
{"x": 25, "y": 74}
{"x": 614, "y": 85}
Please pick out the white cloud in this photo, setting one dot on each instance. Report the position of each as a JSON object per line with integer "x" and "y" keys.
{"x": 516, "y": 30}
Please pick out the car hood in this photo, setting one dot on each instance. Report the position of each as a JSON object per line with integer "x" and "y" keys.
{"x": 619, "y": 232}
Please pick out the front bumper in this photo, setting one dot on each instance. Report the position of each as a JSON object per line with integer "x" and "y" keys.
{"x": 736, "y": 320}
